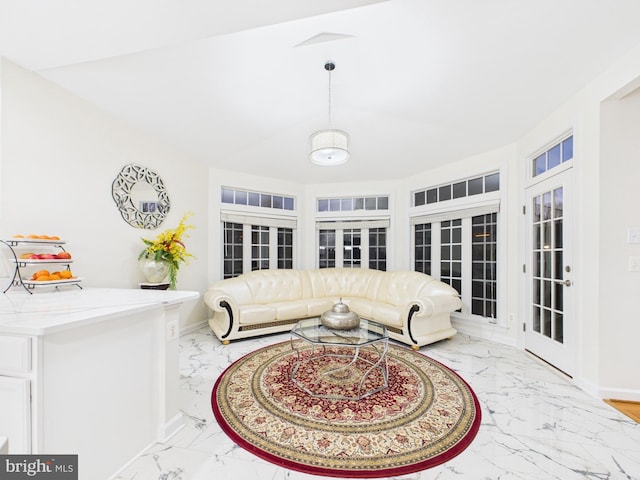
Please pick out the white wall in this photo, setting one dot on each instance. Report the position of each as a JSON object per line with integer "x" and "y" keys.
{"x": 60, "y": 155}
{"x": 607, "y": 356}
{"x": 620, "y": 210}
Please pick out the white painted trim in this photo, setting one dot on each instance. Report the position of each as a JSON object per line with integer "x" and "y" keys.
{"x": 170, "y": 428}
{"x": 484, "y": 331}
{"x": 603, "y": 392}
{"x": 193, "y": 327}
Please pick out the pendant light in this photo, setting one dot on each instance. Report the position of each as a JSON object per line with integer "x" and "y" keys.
{"x": 329, "y": 146}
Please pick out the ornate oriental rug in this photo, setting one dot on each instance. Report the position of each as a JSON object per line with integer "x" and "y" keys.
{"x": 426, "y": 416}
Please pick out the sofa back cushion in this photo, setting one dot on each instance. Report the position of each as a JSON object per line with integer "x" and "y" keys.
{"x": 342, "y": 282}
{"x": 269, "y": 286}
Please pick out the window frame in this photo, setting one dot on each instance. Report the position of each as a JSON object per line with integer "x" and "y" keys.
{"x": 360, "y": 227}
{"x": 464, "y": 208}
{"x": 275, "y": 219}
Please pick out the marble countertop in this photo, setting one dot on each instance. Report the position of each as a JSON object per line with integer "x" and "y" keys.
{"x": 43, "y": 313}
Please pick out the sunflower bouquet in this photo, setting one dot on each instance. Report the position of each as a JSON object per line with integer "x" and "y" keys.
{"x": 169, "y": 247}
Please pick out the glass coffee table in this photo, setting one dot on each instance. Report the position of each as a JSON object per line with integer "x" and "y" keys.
{"x": 340, "y": 364}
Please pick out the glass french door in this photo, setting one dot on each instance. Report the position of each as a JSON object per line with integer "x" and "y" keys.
{"x": 550, "y": 329}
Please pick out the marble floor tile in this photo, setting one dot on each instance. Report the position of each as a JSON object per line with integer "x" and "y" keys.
{"x": 536, "y": 423}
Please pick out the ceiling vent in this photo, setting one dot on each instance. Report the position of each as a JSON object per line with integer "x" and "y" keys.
{"x": 323, "y": 38}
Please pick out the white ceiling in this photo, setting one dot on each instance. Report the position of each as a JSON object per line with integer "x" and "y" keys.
{"x": 417, "y": 82}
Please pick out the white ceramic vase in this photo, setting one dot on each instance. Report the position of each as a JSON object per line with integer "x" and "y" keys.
{"x": 155, "y": 271}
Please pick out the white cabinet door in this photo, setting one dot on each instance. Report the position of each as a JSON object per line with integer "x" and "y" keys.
{"x": 15, "y": 417}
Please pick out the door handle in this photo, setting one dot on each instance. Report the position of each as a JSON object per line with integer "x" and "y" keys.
{"x": 567, "y": 283}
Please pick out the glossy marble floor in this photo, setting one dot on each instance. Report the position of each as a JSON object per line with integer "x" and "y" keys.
{"x": 536, "y": 424}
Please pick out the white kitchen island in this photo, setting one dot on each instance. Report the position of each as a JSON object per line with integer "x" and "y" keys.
{"x": 92, "y": 372}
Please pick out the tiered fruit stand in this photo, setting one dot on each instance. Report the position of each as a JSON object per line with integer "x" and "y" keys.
{"x": 29, "y": 284}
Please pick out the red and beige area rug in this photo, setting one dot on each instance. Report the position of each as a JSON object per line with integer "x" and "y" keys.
{"x": 426, "y": 416}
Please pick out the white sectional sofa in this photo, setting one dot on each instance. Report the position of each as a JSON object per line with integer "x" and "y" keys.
{"x": 415, "y": 307}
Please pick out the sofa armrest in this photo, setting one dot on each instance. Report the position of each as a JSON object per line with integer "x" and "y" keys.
{"x": 223, "y": 306}
{"x": 428, "y": 306}
{"x": 436, "y": 309}
{"x": 214, "y": 298}
{"x": 443, "y": 304}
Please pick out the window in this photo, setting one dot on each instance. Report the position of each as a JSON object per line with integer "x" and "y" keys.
{"x": 232, "y": 249}
{"x": 463, "y": 253}
{"x": 460, "y": 246}
{"x": 352, "y": 244}
{"x": 378, "y": 248}
{"x": 285, "y": 248}
{"x": 460, "y": 189}
{"x": 256, "y": 199}
{"x": 259, "y": 247}
{"x": 268, "y": 247}
{"x": 351, "y": 248}
{"x": 559, "y": 153}
{"x": 258, "y": 232}
{"x": 548, "y": 289}
{"x": 327, "y": 253}
{"x": 484, "y": 229}
{"x": 352, "y": 204}
{"x": 451, "y": 253}
{"x": 422, "y": 248}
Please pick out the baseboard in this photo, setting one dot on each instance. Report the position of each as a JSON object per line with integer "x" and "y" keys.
{"x": 165, "y": 432}
{"x": 620, "y": 394}
{"x": 193, "y": 327}
{"x": 601, "y": 392}
{"x": 483, "y": 330}
{"x": 170, "y": 428}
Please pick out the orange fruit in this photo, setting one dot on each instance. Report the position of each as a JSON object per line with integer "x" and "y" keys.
{"x": 43, "y": 278}
{"x": 54, "y": 237}
{"x": 18, "y": 236}
{"x": 31, "y": 235}
{"x": 41, "y": 273}
{"x": 65, "y": 274}
{"x": 53, "y": 277}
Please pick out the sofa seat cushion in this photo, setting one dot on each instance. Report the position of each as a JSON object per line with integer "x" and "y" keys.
{"x": 390, "y": 315}
{"x": 361, "y": 306}
{"x": 250, "y": 314}
{"x": 382, "y": 312}
{"x": 290, "y": 310}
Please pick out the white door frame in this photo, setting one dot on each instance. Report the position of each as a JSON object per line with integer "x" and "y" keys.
{"x": 561, "y": 355}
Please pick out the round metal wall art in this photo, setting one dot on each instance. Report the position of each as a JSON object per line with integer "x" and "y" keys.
{"x": 141, "y": 197}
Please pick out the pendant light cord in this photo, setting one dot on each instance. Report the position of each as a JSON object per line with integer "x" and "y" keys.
{"x": 329, "y": 98}
{"x": 329, "y": 67}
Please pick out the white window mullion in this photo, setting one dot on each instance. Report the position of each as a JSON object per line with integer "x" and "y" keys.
{"x": 340, "y": 248}
{"x": 364, "y": 248}
{"x": 435, "y": 249}
{"x": 466, "y": 265}
{"x": 273, "y": 247}
{"x": 246, "y": 248}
